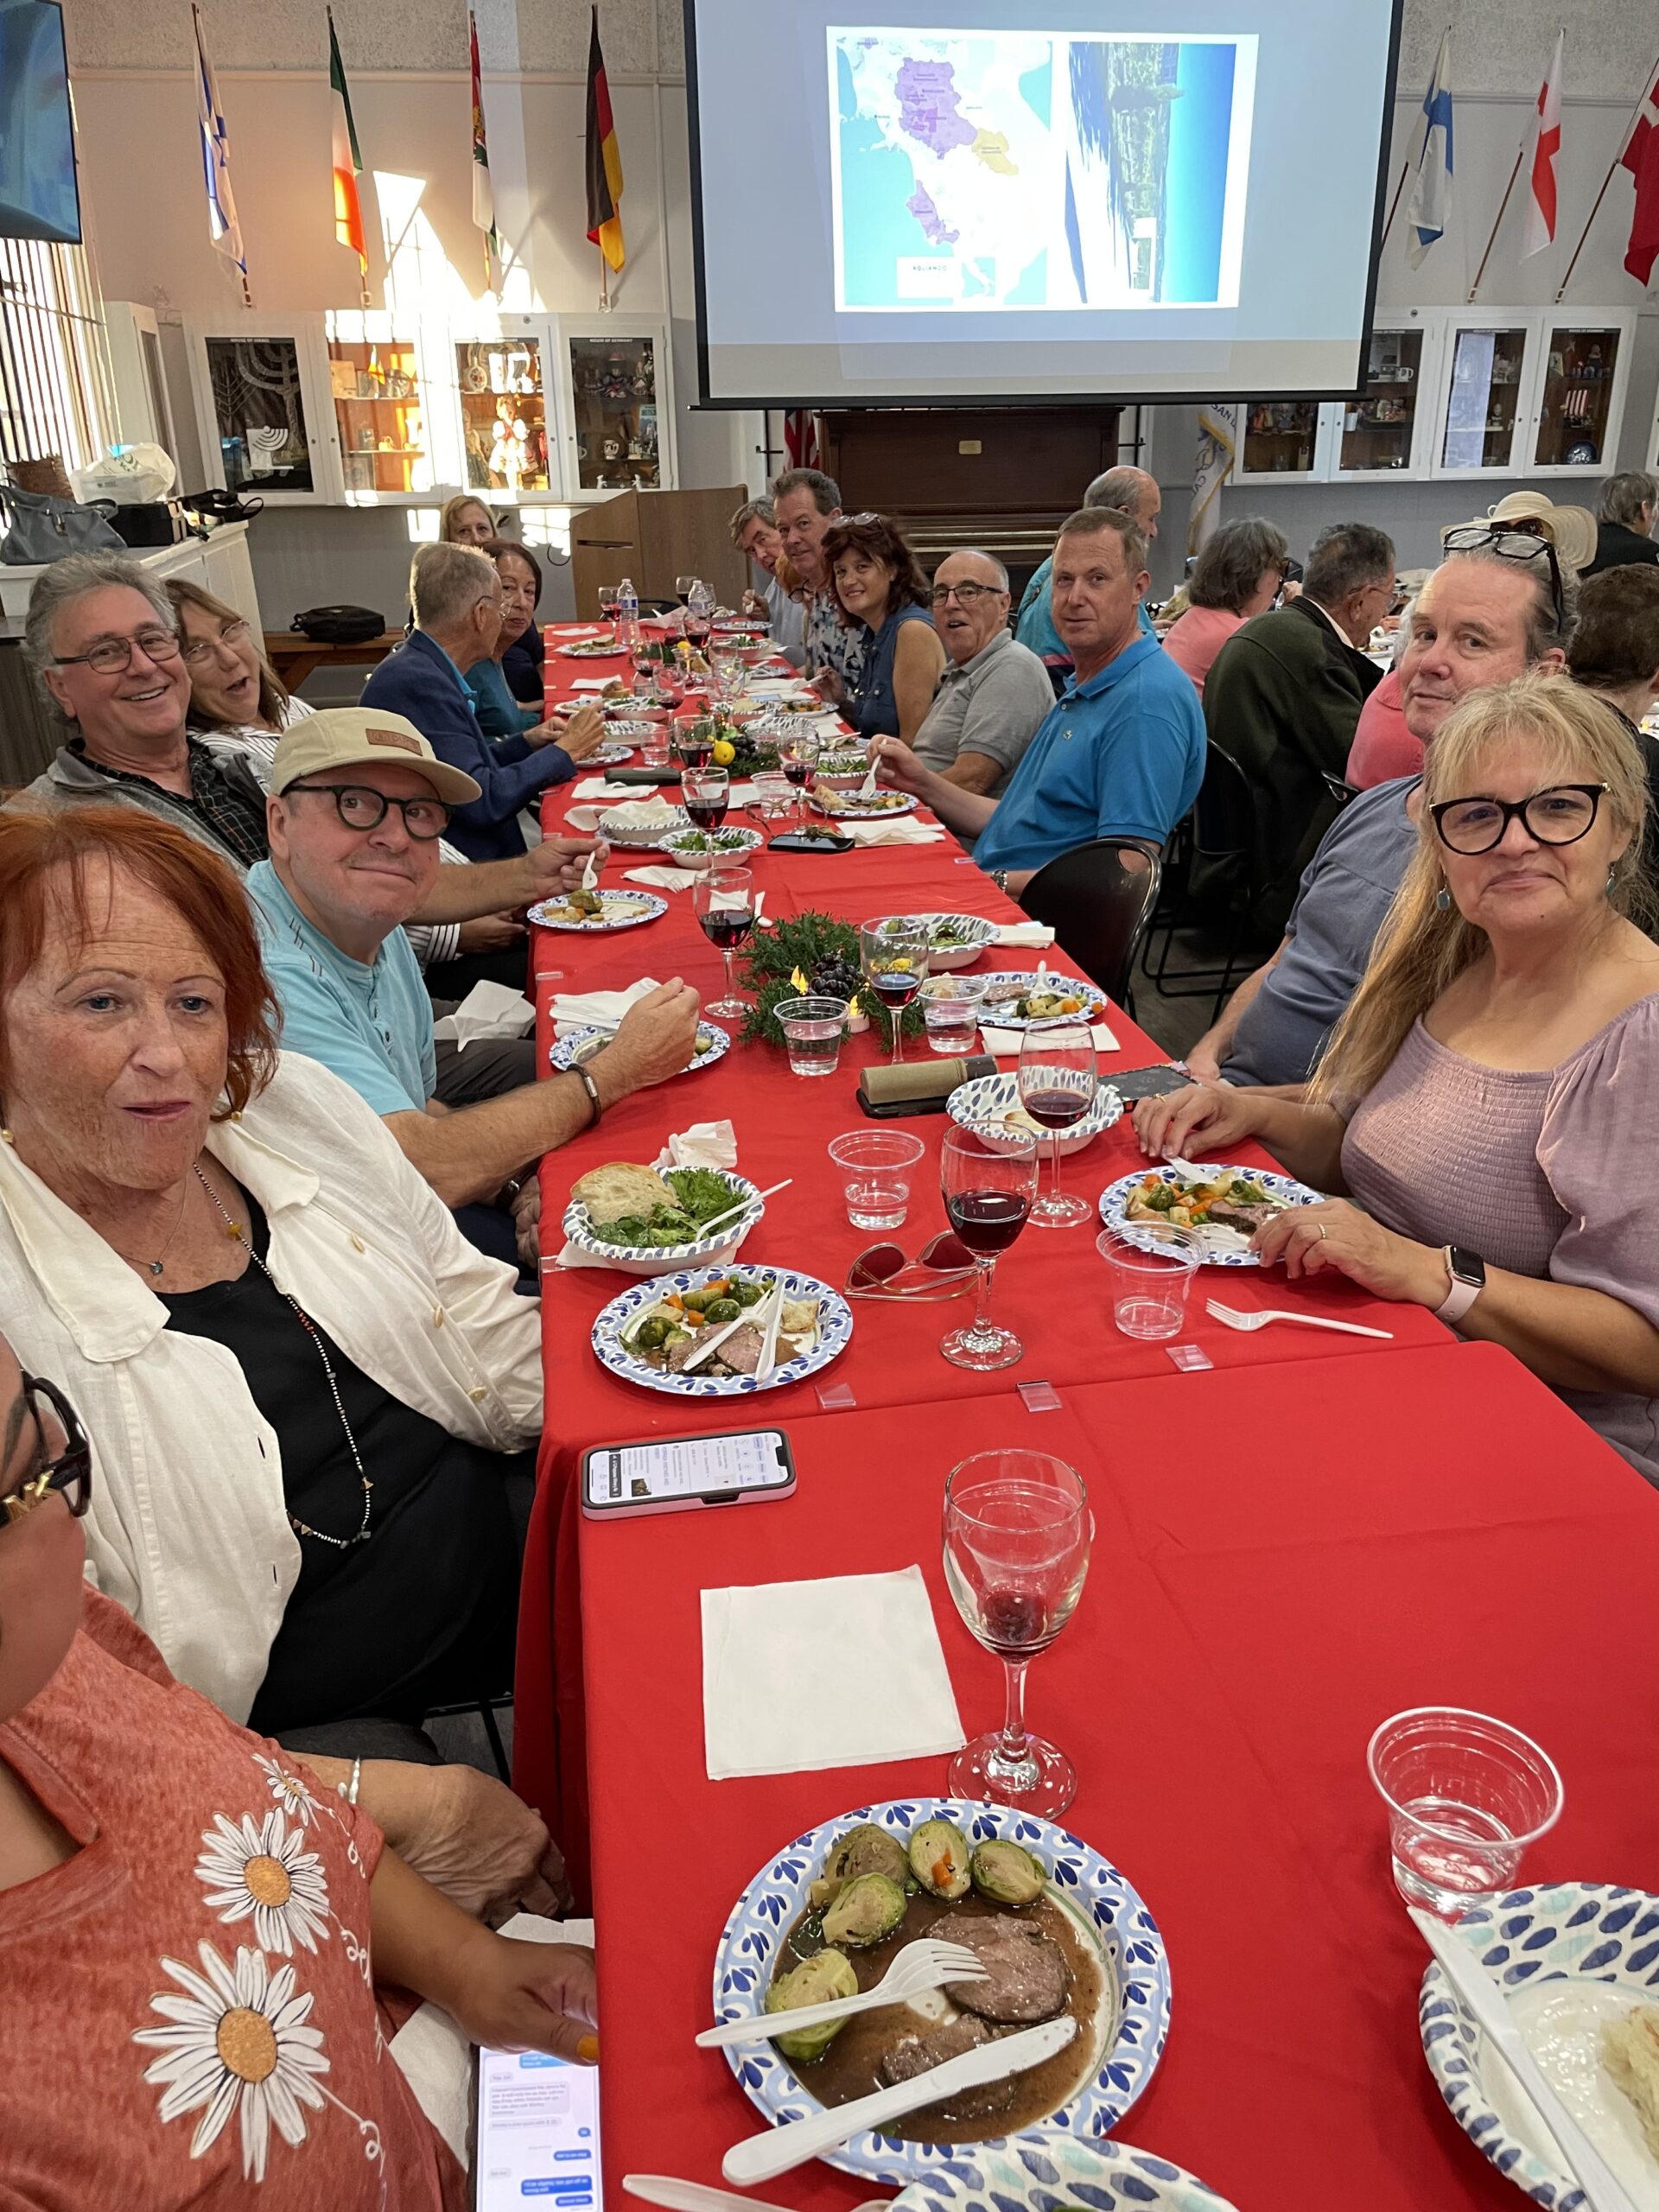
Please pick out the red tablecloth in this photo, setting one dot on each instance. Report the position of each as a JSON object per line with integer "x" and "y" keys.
{"x": 1283, "y": 1555}
{"x": 1050, "y": 1288}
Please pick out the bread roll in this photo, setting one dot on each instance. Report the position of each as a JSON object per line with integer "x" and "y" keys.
{"x": 1629, "y": 2051}
{"x": 610, "y": 1192}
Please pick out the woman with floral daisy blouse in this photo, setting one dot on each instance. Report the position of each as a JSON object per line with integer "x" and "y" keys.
{"x": 196, "y": 1943}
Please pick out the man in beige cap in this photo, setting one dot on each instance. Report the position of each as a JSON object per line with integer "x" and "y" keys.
{"x": 358, "y": 802}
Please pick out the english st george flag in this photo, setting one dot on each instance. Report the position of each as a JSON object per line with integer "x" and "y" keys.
{"x": 604, "y": 160}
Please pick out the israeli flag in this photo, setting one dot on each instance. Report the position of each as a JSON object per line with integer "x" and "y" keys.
{"x": 222, "y": 225}
{"x": 1430, "y": 208}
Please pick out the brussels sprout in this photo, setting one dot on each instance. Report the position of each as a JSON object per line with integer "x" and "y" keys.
{"x": 866, "y": 1908}
{"x": 587, "y": 902}
{"x": 1008, "y": 1873}
{"x": 939, "y": 1858}
{"x": 649, "y": 1335}
{"x": 866, "y": 1849}
{"x": 818, "y": 1980}
{"x": 748, "y": 1294}
{"x": 723, "y": 1309}
{"x": 699, "y": 1302}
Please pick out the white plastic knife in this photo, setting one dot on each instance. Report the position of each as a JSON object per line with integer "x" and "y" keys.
{"x": 762, "y": 2157}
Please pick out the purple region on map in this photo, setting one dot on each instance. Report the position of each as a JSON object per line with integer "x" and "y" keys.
{"x": 934, "y": 227}
{"x": 927, "y": 106}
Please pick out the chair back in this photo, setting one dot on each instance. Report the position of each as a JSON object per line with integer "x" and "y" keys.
{"x": 1341, "y": 790}
{"x": 1097, "y": 899}
{"x": 1224, "y": 816}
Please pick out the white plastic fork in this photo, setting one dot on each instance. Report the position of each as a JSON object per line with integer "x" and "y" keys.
{"x": 1232, "y": 1319}
{"x": 921, "y": 1965}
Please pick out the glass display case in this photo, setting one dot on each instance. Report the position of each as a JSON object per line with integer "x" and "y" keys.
{"x": 504, "y": 415}
{"x": 262, "y": 433}
{"x": 1576, "y": 409}
{"x": 1379, "y": 430}
{"x": 380, "y": 416}
{"x": 614, "y": 412}
{"x": 1485, "y": 395}
{"x": 1281, "y": 437}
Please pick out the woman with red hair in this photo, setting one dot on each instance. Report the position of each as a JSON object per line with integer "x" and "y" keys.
{"x": 313, "y": 1402}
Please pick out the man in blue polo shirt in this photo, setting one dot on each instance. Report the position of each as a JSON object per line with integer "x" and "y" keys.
{"x": 1121, "y": 754}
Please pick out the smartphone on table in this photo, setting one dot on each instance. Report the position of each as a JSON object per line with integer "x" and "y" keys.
{"x": 681, "y": 1474}
{"x": 536, "y": 2137}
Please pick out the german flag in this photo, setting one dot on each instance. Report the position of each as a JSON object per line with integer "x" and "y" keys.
{"x": 604, "y": 160}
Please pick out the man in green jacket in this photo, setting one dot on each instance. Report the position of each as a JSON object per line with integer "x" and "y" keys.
{"x": 1283, "y": 697}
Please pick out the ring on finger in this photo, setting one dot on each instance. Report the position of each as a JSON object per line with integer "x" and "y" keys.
{"x": 1319, "y": 1225}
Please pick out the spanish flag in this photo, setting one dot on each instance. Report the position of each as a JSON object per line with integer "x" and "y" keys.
{"x": 348, "y": 162}
{"x": 604, "y": 160}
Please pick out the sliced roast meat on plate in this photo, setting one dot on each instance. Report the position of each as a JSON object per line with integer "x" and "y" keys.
{"x": 1027, "y": 1975}
{"x": 921, "y": 2053}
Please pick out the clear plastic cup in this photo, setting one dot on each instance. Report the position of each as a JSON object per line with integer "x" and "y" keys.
{"x": 1148, "y": 1291}
{"x": 813, "y": 1029}
{"x": 951, "y": 1007}
{"x": 1465, "y": 1796}
{"x": 876, "y": 1165}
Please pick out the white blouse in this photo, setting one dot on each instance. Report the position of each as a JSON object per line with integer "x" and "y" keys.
{"x": 187, "y": 1528}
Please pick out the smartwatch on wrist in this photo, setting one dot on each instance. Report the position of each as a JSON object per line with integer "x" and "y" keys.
{"x": 1466, "y": 1274}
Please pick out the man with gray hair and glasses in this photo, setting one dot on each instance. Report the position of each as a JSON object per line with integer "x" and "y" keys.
{"x": 996, "y": 691}
{"x": 1625, "y": 507}
{"x": 756, "y": 535}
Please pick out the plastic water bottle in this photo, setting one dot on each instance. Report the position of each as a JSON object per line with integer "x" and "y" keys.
{"x": 700, "y": 610}
{"x": 627, "y": 617}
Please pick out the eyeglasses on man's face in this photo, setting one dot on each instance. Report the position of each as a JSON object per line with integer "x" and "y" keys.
{"x": 197, "y": 650}
{"x": 113, "y": 655}
{"x": 1559, "y": 815}
{"x": 964, "y": 594}
{"x": 60, "y": 1458}
{"x": 360, "y": 806}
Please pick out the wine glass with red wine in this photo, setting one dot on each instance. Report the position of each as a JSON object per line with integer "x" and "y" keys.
{"x": 695, "y": 743}
{"x": 893, "y": 957}
{"x": 1017, "y": 1532}
{"x": 1058, "y": 1080}
{"x": 705, "y": 793}
{"x": 724, "y": 901}
{"x": 987, "y": 1198}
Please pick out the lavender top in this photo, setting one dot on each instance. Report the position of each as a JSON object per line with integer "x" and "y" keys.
{"x": 1551, "y": 1172}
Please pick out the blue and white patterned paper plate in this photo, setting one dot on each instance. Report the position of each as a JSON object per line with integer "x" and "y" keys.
{"x": 1591, "y": 1931}
{"x": 835, "y": 1333}
{"x": 972, "y": 935}
{"x": 636, "y": 1260}
{"x": 981, "y": 1105}
{"x": 1026, "y": 2176}
{"x": 1080, "y": 1880}
{"x": 564, "y": 1051}
{"x": 846, "y": 805}
{"x": 1114, "y": 1199}
{"x": 1095, "y": 1003}
{"x": 619, "y": 910}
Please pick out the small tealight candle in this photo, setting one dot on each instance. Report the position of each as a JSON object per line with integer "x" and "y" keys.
{"x": 857, "y": 1020}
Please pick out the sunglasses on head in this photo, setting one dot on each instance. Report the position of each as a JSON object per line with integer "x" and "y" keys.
{"x": 945, "y": 1267}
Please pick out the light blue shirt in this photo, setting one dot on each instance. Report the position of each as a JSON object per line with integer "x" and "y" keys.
{"x": 1034, "y": 625}
{"x": 1119, "y": 756}
{"x": 372, "y": 1025}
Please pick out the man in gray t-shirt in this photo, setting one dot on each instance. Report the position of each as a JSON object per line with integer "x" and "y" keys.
{"x": 995, "y": 693}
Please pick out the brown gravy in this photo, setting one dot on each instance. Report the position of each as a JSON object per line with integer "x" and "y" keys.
{"x": 851, "y": 2066}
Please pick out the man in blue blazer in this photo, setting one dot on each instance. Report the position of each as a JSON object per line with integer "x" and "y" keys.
{"x": 456, "y": 595}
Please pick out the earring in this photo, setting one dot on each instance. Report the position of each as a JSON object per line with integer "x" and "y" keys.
{"x": 1613, "y": 882}
{"x": 1443, "y": 900}
{"x": 6, "y": 1137}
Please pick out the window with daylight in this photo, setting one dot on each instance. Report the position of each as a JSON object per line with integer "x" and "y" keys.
{"x": 56, "y": 394}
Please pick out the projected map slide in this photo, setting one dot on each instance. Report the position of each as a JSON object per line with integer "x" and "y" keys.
{"x": 975, "y": 170}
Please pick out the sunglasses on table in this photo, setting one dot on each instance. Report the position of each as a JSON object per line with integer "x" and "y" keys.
{"x": 359, "y": 807}
{"x": 1510, "y": 542}
{"x": 945, "y": 1267}
{"x": 1558, "y": 815}
{"x": 69, "y": 1471}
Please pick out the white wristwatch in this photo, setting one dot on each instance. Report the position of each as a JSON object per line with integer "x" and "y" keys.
{"x": 1466, "y": 1273}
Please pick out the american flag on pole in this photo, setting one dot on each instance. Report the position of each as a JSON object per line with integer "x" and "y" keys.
{"x": 222, "y": 225}
{"x": 483, "y": 192}
{"x": 1543, "y": 201}
{"x": 803, "y": 438}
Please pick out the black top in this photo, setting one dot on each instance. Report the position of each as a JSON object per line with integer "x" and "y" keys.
{"x": 522, "y": 664}
{"x": 1616, "y": 547}
{"x": 225, "y": 798}
{"x": 422, "y": 1612}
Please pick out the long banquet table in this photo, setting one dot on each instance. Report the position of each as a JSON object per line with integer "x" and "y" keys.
{"x": 1049, "y": 1288}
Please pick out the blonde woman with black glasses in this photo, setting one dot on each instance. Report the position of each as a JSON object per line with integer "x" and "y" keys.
{"x": 1486, "y": 1101}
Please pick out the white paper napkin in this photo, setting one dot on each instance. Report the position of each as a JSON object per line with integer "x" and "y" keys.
{"x": 1005, "y": 1043}
{"x": 591, "y": 683}
{"x": 1035, "y": 936}
{"x": 705, "y": 1144}
{"x": 764, "y": 1706}
{"x": 488, "y": 1010}
{"x": 577, "y": 1009}
{"x": 903, "y": 830}
{"x": 662, "y": 879}
{"x": 600, "y": 787}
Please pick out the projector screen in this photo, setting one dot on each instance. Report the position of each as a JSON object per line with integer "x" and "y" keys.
{"x": 1002, "y": 200}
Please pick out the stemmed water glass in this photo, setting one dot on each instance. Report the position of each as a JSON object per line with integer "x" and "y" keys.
{"x": 1017, "y": 1532}
{"x": 724, "y": 901}
{"x": 1057, "y": 1080}
{"x": 987, "y": 1193}
{"x": 893, "y": 957}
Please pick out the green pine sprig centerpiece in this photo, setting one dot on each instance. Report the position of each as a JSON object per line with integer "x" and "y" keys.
{"x": 825, "y": 950}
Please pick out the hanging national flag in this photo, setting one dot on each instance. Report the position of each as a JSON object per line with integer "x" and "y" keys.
{"x": 483, "y": 195}
{"x": 348, "y": 162}
{"x": 1541, "y": 201}
{"x": 1430, "y": 209}
{"x": 1641, "y": 158}
{"x": 802, "y": 445}
{"x": 604, "y": 159}
{"x": 1218, "y": 444}
{"x": 222, "y": 225}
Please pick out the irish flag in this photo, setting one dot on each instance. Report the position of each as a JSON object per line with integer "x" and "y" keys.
{"x": 348, "y": 162}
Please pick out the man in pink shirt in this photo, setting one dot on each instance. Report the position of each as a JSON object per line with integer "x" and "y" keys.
{"x": 1383, "y": 748}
